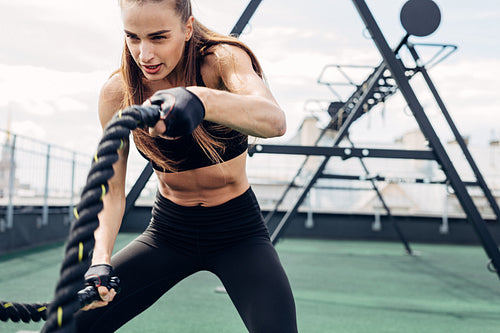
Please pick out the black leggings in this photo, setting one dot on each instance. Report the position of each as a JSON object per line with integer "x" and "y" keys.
{"x": 230, "y": 240}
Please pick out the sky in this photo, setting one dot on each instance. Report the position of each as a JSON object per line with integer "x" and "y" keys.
{"x": 55, "y": 56}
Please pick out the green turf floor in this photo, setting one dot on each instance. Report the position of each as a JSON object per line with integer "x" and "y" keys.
{"x": 339, "y": 286}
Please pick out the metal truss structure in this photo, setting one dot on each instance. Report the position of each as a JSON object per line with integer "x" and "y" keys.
{"x": 390, "y": 76}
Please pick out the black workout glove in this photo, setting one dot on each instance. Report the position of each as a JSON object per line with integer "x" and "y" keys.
{"x": 97, "y": 276}
{"x": 182, "y": 111}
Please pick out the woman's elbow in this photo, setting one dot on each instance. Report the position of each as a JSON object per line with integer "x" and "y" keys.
{"x": 281, "y": 130}
{"x": 278, "y": 125}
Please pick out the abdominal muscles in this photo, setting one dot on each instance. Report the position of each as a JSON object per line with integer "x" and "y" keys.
{"x": 208, "y": 186}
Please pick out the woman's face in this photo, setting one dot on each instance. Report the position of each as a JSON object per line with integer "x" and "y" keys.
{"x": 155, "y": 37}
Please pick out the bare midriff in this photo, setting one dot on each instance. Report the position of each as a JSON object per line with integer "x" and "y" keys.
{"x": 208, "y": 186}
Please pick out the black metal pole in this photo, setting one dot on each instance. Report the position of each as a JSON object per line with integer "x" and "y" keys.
{"x": 395, "y": 224}
{"x": 397, "y": 70}
{"x": 245, "y": 18}
{"x": 291, "y": 184}
{"x": 136, "y": 190}
{"x": 344, "y": 153}
{"x": 456, "y": 133}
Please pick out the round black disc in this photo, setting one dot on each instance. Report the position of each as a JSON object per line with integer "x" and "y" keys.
{"x": 420, "y": 17}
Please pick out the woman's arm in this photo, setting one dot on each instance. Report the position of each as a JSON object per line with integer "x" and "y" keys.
{"x": 248, "y": 105}
{"x": 235, "y": 95}
{"x": 111, "y": 216}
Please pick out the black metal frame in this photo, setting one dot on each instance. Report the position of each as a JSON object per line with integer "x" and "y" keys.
{"x": 398, "y": 72}
{"x": 139, "y": 185}
{"x": 245, "y": 17}
{"x": 463, "y": 146}
{"x": 437, "y": 152}
{"x": 355, "y": 113}
{"x": 377, "y": 84}
{"x": 343, "y": 152}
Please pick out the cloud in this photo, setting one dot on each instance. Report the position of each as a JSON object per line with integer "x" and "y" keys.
{"x": 62, "y": 52}
{"x": 220, "y": 16}
{"x": 470, "y": 85}
{"x": 37, "y": 84}
{"x": 468, "y": 88}
{"x": 68, "y": 104}
{"x": 30, "y": 129}
{"x": 52, "y": 105}
{"x": 32, "y": 107}
{"x": 60, "y": 34}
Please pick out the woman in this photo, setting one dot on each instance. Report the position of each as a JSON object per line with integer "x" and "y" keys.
{"x": 205, "y": 216}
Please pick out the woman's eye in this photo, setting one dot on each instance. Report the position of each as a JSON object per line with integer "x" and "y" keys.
{"x": 133, "y": 37}
{"x": 159, "y": 37}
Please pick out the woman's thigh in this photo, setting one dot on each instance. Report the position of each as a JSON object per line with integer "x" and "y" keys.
{"x": 258, "y": 286}
{"x": 146, "y": 272}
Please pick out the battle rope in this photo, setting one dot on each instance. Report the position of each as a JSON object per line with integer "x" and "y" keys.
{"x": 24, "y": 312}
{"x": 59, "y": 313}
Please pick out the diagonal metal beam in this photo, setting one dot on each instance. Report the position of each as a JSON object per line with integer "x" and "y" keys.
{"x": 280, "y": 228}
{"x": 380, "y": 197}
{"x": 245, "y": 17}
{"x": 136, "y": 190}
{"x": 397, "y": 70}
{"x": 461, "y": 142}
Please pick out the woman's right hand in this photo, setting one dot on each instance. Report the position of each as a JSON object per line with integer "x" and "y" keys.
{"x": 100, "y": 277}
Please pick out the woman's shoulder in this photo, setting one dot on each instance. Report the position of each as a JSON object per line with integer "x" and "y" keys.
{"x": 223, "y": 53}
{"x": 112, "y": 89}
{"x": 221, "y": 59}
{"x": 111, "y": 97}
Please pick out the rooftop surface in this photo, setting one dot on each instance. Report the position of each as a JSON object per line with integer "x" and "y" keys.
{"x": 339, "y": 286}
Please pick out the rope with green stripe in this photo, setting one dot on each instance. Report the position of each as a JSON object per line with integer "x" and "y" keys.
{"x": 59, "y": 313}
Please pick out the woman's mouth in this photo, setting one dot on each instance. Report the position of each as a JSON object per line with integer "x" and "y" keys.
{"x": 151, "y": 69}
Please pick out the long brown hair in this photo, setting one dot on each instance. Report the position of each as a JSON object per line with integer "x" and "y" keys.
{"x": 198, "y": 46}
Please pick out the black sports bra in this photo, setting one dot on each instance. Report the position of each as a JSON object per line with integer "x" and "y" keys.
{"x": 188, "y": 155}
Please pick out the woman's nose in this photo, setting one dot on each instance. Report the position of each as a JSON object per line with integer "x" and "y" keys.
{"x": 147, "y": 53}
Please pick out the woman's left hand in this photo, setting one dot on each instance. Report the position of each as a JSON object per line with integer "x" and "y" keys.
{"x": 182, "y": 111}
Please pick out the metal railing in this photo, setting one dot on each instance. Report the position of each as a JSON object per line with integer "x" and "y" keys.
{"x": 39, "y": 174}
